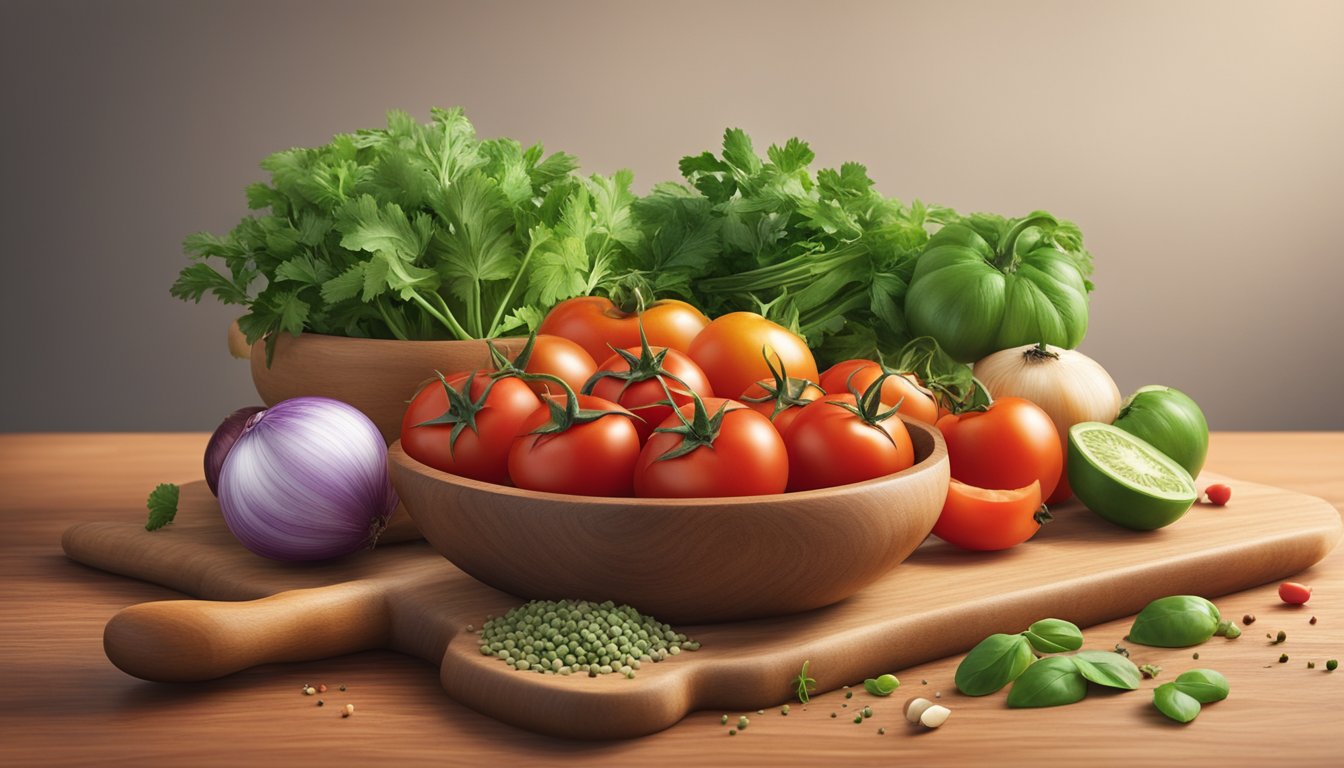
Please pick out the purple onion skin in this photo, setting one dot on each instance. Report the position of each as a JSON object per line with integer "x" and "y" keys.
{"x": 222, "y": 440}
{"x": 307, "y": 480}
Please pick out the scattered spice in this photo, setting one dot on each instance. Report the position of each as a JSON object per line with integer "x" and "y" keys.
{"x": 471, "y": 628}
{"x": 881, "y": 731}
{"x": 1248, "y": 619}
{"x": 1279, "y": 638}
{"x": 1122, "y": 650}
{"x": 923, "y": 682}
{"x": 732, "y": 732}
{"x": 342, "y": 686}
{"x": 1283, "y": 658}
{"x": 309, "y": 691}
{"x": 1150, "y": 670}
{"x": 849, "y": 694}
{"x": 1332, "y": 665}
{"x": 937, "y": 694}
{"x": 1195, "y": 655}
{"x": 867, "y": 712}
{"x": 1313, "y": 621}
{"x": 349, "y": 710}
{"x": 742, "y": 723}
{"x": 832, "y": 715}
{"x": 858, "y": 719}
{"x": 784, "y": 710}
{"x": 322, "y": 688}
{"x": 723, "y": 720}
{"x": 1311, "y": 665}
{"x": 760, "y": 711}
{"x": 321, "y": 703}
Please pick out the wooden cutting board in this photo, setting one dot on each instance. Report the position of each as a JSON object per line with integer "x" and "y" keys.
{"x": 406, "y": 597}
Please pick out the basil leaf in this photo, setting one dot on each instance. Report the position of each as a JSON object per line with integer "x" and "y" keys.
{"x": 1203, "y": 685}
{"x": 995, "y": 662}
{"x": 1054, "y": 636}
{"x": 882, "y": 685}
{"x": 1049, "y": 682}
{"x": 1107, "y": 668}
{"x": 1175, "y": 622}
{"x": 1174, "y": 703}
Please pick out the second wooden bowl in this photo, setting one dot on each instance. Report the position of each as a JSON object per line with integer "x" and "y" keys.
{"x": 681, "y": 560}
{"x": 377, "y": 376}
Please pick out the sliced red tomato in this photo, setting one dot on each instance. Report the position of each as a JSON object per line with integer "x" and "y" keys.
{"x": 985, "y": 519}
{"x": 467, "y": 431}
{"x": 916, "y": 401}
{"x": 598, "y": 325}
{"x": 733, "y": 452}
{"x": 1007, "y": 446}
{"x": 590, "y": 448}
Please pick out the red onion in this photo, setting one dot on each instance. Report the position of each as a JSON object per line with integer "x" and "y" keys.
{"x": 225, "y": 435}
{"x": 307, "y": 480}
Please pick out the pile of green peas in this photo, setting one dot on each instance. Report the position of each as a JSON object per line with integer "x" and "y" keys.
{"x": 566, "y": 637}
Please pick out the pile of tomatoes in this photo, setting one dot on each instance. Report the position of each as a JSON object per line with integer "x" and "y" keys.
{"x": 681, "y": 406}
{"x": 666, "y": 403}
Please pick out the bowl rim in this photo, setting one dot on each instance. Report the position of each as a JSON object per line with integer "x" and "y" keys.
{"x": 397, "y": 455}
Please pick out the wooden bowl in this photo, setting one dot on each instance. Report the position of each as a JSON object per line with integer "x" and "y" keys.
{"x": 681, "y": 560}
{"x": 377, "y": 376}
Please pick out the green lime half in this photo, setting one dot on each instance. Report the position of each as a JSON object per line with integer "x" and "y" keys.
{"x": 1125, "y": 479}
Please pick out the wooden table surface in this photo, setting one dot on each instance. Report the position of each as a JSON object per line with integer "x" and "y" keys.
{"x": 62, "y": 702}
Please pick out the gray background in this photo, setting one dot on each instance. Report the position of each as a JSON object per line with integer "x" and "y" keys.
{"x": 1197, "y": 144}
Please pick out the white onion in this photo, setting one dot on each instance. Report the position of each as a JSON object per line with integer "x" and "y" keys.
{"x": 1068, "y": 385}
{"x": 307, "y": 480}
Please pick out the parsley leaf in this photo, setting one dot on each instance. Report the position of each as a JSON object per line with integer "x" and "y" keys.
{"x": 162, "y": 503}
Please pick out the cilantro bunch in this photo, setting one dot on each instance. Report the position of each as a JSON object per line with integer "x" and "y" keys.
{"x": 825, "y": 253}
{"x": 415, "y": 231}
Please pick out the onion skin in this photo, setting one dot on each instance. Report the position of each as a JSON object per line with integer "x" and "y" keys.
{"x": 226, "y": 434}
{"x": 1068, "y": 385}
{"x": 307, "y": 480}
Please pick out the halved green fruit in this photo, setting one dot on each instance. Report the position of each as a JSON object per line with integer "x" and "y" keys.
{"x": 1125, "y": 479}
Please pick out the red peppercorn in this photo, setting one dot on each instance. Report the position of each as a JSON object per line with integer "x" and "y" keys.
{"x": 1293, "y": 593}
{"x": 1218, "y": 494}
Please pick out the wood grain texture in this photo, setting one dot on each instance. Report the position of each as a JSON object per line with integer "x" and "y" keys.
{"x": 682, "y": 560}
{"x": 377, "y": 376}
{"x": 1078, "y": 568}
{"x": 60, "y": 684}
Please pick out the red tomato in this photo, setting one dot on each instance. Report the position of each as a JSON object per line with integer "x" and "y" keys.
{"x": 593, "y": 458}
{"x": 646, "y": 397}
{"x": 987, "y": 520}
{"x": 746, "y": 457}
{"x": 1004, "y": 447}
{"x": 917, "y": 404}
{"x": 559, "y": 357}
{"x": 481, "y": 453}
{"x": 729, "y": 351}
{"x": 781, "y": 402}
{"x": 598, "y": 325}
{"x": 1294, "y": 593}
{"x": 829, "y": 445}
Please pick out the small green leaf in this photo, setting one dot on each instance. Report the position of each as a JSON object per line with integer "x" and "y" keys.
{"x": 162, "y": 505}
{"x": 1175, "y": 622}
{"x": 1203, "y": 685}
{"x": 995, "y": 662}
{"x": 882, "y": 685}
{"x": 1107, "y": 668}
{"x": 1050, "y": 682}
{"x": 1054, "y": 636}
{"x": 1175, "y": 703}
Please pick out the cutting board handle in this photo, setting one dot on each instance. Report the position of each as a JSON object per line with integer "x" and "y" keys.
{"x": 191, "y": 640}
